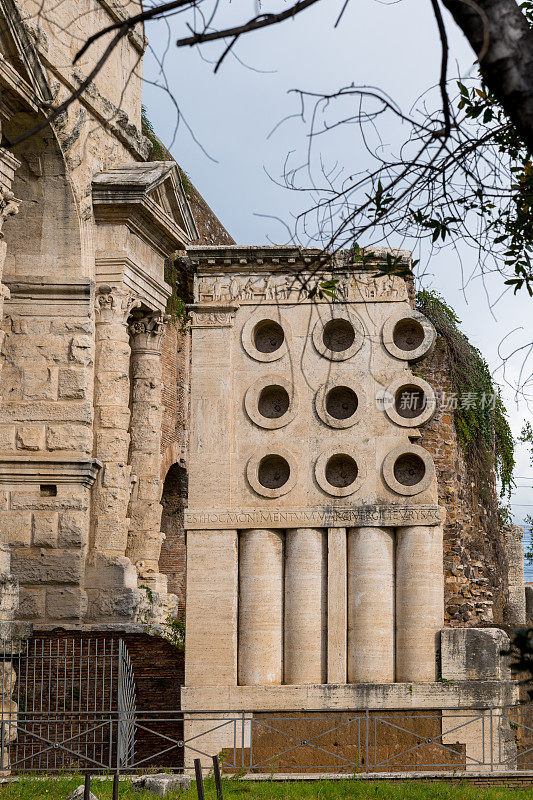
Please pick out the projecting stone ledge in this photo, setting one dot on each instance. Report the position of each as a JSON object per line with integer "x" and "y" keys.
{"x": 357, "y": 696}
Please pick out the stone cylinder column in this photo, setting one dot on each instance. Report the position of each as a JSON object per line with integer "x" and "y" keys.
{"x": 305, "y": 606}
{"x": 260, "y": 608}
{"x": 112, "y": 419}
{"x": 144, "y": 511}
{"x": 419, "y": 601}
{"x": 370, "y": 605}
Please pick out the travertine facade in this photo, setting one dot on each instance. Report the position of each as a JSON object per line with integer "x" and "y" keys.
{"x": 84, "y": 300}
{"x": 314, "y": 531}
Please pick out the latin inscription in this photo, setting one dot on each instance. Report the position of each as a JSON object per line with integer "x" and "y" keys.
{"x": 325, "y": 517}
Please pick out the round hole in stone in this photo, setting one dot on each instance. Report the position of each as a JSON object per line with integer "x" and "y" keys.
{"x": 273, "y": 402}
{"x": 409, "y": 469}
{"x": 341, "y": 470}
{"x": 273, "y": 471}
{"x": 341, "y": 402}
{"x": 338, "y": 335}
{"x": 268, "y": 336}
{"x": 410, "y": 401}
{"x": 408, "y": 334}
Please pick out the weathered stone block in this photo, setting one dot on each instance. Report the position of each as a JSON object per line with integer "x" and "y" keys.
{"x": 45, "y": 525}
{"x": 30, "y": 437}
{"x": 31, "y": 603}
{"x": 46, "y": 566}
{"x": 81, "y": 350}
{"x": 474, "y": 654}
{"x": 113, "y": 416}
{"x": 72, "y": 384}
{"x": 116, "y": 475}
{"x": 105, "y": 571}
{"x": 69, "y": 437}
{"x": 15, "y": 527}
{"x": 65, "y": 603}
{"x": 68, "y": 497}
{"x": 149, "y": 489}
{"x": 72, "y": 325}
{"x": 40, "y": 382}
{"x": 162, "y": 783}
{"x": 7, "y": 438}
{"x": 47, "y": 412}
{"x": 116, "y": 604}
{"x": 73, "y": 529}
{"x": 112, "y": 445}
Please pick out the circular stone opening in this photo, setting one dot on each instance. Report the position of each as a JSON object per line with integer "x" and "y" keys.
{"x": 338, "y": 335}
{"x": 273, "y": 472}
{"x": 341, "y": 470}
{"x": 410, "y": 401}
{"x": 408, "y": 334}
{"x": 268, "y": 336}
{"x": 341, "y": 402}
{"x": 273, "y": 402}
{"x": 409, "y": 469}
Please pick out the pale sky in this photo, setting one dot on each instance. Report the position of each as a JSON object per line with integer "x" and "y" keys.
{"x": 231, "y": 114}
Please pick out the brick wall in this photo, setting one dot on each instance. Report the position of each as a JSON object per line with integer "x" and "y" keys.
{"x": 474, "y": 559}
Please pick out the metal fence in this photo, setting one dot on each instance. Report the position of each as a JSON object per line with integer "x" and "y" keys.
{"x": 70, "y": 705}
{"x": 73, "y": 705}
{"x": 339, "y": 741}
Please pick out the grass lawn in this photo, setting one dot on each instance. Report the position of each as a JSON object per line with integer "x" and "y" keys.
{"x": 59, "y": 789}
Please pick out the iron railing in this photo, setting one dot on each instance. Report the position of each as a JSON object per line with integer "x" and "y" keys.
{"x": 73, "y": 704}
{"x": 69, "y": 705}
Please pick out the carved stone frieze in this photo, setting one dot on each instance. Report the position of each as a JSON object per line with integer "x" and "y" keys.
{"x": 296, "y": 287}
{"x": 212, "y": 316}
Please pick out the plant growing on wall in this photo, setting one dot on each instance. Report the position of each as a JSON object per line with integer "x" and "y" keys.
{"x": 482, "y": 428}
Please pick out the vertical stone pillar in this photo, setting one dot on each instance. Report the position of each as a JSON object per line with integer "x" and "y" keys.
{"x": 419, "y": 601}
{"x": 112, "y": 419}
{"x": 337, "y": 605}
{"x": 9, "y": 206}
{"x": 211, "y": 623}
{"x": 144, "y": 511}
{"x": 305, "y": 606}
{"x": 370, "y": 605}
{"x": 260, "y": 607}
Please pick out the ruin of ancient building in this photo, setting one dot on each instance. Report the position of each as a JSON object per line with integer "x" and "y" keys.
{"x": 254, "y": 466}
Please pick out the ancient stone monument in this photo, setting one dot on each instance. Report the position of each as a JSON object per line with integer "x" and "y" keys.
{"x": 314, "y": 531}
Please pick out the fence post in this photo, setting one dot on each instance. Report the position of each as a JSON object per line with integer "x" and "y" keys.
{"x": 87, "y": 787}
{"x": 218, "y": 779}
{"x": 199, "y": 779}
{"x": 115, "y": 786}
{"x": 367, "y": 714}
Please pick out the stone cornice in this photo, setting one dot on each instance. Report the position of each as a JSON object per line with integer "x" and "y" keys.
{"x": 122, "y": 196}
{"x": 231, "y": 258}
{"x": 116, "y": 12}
{"x": 44, "y": 468}
{"x": 38, "y": 294}
{"x": 15, "y": 84}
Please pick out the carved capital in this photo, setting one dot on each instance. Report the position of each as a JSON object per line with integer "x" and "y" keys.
{"x": 114, "y": 305}
{"x": 9, "y": 205}
{"x": 146, "y": 332}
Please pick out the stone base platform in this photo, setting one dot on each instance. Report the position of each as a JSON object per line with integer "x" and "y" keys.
{"x": 451, "y": 725}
